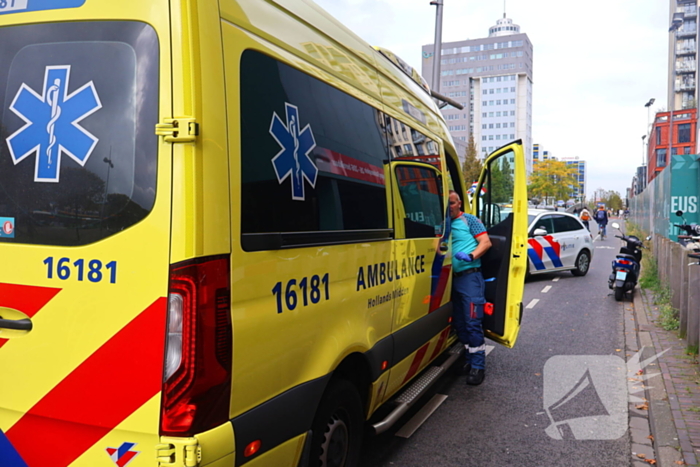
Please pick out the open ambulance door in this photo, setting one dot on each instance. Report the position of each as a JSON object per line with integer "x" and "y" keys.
{"x": 500, "y": 201}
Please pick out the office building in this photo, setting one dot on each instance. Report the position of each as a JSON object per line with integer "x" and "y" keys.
{"x": 492, "y": 78}
{"x": 578, "y": 190}
{"x": 538, "y": 154}
{"x": 682, "y": 57}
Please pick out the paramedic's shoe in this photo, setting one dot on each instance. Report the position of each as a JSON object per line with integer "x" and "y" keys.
{"x": 475, "y": 377}
{"x": 462, "y": 368}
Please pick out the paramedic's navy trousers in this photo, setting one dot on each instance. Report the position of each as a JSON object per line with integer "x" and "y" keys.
{"x": 467, "y": 314}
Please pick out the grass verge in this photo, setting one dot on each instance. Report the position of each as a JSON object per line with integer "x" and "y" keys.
{"x": 649, "y": 280}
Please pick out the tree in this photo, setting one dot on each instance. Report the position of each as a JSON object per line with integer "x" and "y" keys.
{"x": 615, "y": 201}
{"x": 610, "y": 198}
{"x": 472, "y": 165}
{"x": 508, "y": 182}
{"x": 552, "y": 179}
{"x": 501, "y": 181}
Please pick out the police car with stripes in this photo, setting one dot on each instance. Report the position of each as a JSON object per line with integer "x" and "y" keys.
{"x": 558, "y": 241}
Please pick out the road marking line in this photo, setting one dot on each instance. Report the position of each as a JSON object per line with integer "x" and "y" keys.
{"x": 556, "y": 279}
{"x": 546, "y": 289}
{"x": 489, "y": 348}
{"x": 532, "y": 303}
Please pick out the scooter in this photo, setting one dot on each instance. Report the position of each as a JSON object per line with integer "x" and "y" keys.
{"x": 691, "y": 230}
{"x": 626, "y": 266}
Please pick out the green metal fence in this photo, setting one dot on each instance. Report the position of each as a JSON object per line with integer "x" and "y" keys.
{"x": 677, "y": 187}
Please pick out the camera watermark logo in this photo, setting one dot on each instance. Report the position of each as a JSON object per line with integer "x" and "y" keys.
{"x": 587, "y": 396}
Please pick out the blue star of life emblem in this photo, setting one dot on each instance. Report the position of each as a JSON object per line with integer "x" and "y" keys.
{"x": 52, "y": 124}
{"x": 293, "y": 159}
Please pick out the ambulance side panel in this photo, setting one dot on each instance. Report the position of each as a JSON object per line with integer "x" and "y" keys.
{"x": 316, "y": 300}
{"x": 297, "y": 312}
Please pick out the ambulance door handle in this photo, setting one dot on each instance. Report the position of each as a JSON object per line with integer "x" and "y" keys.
{"x": 16, "y": 324}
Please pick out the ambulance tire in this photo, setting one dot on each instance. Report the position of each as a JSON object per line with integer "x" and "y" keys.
{"x": 583, "y": 263}
{"x": 337, "y": 429}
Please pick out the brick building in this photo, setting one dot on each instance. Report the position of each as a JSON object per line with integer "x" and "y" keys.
{"x": 683, "y": 140}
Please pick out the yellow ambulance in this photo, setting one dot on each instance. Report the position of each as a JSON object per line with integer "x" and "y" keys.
{"x": 224, "y": 235}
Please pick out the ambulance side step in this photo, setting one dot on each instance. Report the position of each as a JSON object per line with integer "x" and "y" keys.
{"x": 419, "y": 387}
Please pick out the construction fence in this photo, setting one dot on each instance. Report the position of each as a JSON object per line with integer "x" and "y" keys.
{"x": 677, "y": 187}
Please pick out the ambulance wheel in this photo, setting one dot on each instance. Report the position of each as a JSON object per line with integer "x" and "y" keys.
{"x": 338, "y": 427}
{"x": 619, "y": 294}
{"x": 583, "y": 263}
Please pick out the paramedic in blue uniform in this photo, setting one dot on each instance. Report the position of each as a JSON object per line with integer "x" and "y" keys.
{"x": 469, "y": 242}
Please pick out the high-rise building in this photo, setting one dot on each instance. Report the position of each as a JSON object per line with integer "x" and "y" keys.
{"x": 540, "y": 155}
{"x": 682, "y": 57}
{"x": 578, "y": 190}
{"x": 492, "y": 78}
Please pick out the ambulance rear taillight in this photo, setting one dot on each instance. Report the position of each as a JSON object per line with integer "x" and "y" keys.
{"x": 197, "y": 367}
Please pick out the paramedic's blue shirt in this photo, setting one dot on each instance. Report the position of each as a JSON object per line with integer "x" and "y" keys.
{"x": 464, "y": 239}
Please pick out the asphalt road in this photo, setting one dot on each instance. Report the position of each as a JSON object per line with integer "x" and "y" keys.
{"x": 575, "y": 325}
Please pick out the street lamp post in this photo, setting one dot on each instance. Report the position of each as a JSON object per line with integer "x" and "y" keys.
{"x": 437, "y": 51}
{"x": 648, "y": 106}
{"x": 643, "y": 154}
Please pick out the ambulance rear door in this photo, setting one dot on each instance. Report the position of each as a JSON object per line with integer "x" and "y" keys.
{"x": 500, "y": 201}
{"x": 85, "y": 213}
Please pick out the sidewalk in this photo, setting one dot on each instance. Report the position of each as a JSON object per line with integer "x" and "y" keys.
{"x": 673, "y": 397}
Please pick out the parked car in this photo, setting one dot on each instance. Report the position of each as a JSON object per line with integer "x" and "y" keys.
{"x": 558, "y": 241}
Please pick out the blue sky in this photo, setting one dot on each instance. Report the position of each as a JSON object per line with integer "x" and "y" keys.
{"x": 596, "y": 64}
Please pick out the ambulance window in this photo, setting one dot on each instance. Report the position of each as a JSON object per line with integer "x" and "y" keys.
{"x": 411, "y": 145}
{"x": 312, "y": 161}
{"x": 78, "y": 154}
{"x": 421, "y": 196}
{"x": 497, "y": 191}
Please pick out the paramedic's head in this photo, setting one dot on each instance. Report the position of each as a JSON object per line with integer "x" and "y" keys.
{"x": 601, "y": 207}
{"x": 455, "y": 205}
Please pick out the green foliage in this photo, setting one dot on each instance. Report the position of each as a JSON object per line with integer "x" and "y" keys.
{"x": 551, "y": 179}
{"x": 668, "y": 316}
{"x": 615, "y": 201}
{"x": 471, "y": 168}
{"x": 649, "y": 278}
{"x": 633, "y": 229}
{"x": 610, "y": 198}
{"x": 501, "y": 181}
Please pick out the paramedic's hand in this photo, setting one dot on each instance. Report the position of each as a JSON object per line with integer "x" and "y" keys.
{"x": 463, "y": 256}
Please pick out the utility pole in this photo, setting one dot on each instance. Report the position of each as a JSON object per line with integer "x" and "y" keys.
{"x": 437, "y": 52}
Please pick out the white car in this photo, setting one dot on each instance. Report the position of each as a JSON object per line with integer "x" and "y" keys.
{"x": 558, "y": 241}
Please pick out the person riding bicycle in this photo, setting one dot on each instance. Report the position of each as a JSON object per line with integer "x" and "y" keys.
{"x": 601, "y": 217}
